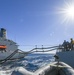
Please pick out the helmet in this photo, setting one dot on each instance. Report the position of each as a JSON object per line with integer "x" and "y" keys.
{"x": 64, "y": 40}
{"x": 71, "y": 39}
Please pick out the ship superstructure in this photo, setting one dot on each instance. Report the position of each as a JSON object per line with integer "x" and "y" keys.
{"x": 8, "y": 47}
{"x": 11, "y": 46}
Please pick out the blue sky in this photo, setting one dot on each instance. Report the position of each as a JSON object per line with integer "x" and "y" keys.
{"x": 35, "y": 22}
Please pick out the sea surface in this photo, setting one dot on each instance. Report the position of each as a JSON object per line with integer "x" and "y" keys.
{"x": 32, "y": 62}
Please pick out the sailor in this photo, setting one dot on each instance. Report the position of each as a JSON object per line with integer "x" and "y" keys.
{"x": 68, "y": 46}
{"x": 64, "y": 45}
{"x": 72, "y": 43}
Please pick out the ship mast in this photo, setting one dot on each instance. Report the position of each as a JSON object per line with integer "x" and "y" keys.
{"x": 3, "y": 33}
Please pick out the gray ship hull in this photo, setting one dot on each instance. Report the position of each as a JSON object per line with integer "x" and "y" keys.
{"x": 5, "y": 55}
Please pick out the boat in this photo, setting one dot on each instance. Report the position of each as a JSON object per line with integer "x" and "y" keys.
{"x": 8, "y": 48}
{"x": 54, "y": 68}
{"x": 66, "y": 56}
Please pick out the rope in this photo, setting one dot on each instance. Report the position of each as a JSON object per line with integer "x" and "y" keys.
{"x": 50, "y": 49}
{"x": 31, "y": 51}
{"x": 7, "y": 58}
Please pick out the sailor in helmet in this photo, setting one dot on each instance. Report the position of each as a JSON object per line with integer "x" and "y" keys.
{"x": 65, "y": 45}
{"x": 72, "y": 43}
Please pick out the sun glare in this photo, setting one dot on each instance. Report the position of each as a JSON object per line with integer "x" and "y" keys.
{"x": 67, "y": 11}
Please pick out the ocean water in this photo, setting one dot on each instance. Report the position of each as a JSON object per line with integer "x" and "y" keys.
{"x": 32, "y": 62}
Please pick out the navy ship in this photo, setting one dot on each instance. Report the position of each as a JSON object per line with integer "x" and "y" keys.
{"x": 8, "y": 48}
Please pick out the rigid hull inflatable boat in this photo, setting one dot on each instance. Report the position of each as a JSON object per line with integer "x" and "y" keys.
{"x": 54, "y": 68}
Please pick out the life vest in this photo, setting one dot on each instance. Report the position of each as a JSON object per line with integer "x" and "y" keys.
{"x": 72, "y": 41}
{"x": 3, "y": 47}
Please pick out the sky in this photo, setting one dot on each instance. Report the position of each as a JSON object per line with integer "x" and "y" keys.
{"x": 36, "y": 22}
